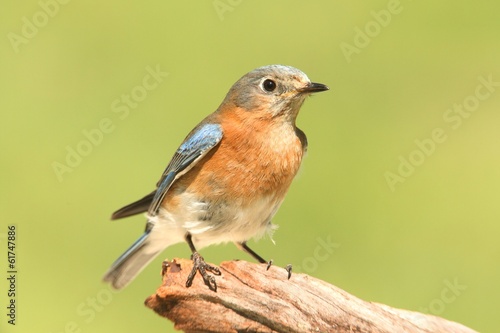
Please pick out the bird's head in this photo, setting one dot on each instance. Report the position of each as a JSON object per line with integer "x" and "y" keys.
{"x": 272, "y": 91}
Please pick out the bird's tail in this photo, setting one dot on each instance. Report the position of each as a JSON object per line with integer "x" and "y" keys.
{"x": 133, "y": 261}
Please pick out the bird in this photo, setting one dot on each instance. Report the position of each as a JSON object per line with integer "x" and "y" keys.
{"x": 228, "y": 178}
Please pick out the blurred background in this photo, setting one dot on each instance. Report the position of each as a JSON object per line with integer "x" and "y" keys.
{"x": 397, "y": 201}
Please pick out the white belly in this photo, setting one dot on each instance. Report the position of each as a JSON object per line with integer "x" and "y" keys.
{"x": 213, "y": 223}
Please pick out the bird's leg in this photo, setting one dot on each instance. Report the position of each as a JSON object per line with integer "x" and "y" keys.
{"x": 199, "y": 265}
{"x": 244, "y": 247}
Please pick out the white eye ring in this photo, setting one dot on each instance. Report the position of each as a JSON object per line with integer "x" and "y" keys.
{"x": 268, "y": 85}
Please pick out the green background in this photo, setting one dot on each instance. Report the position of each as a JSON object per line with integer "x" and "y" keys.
{"x": 403, "y": 246}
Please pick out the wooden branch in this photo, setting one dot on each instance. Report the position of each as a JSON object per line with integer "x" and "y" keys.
{"x": 251, "y": 299}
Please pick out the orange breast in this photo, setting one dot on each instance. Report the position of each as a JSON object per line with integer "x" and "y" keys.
{"x": 255, "y": 158}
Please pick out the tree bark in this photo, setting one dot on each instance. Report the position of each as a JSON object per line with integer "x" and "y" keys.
{"x": 250, "y": 298}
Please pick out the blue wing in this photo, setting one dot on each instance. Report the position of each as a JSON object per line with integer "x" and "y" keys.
{"x": 196, "y": 145}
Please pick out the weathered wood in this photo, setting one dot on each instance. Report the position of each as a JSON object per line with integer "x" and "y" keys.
{"x": 251, "y": 299}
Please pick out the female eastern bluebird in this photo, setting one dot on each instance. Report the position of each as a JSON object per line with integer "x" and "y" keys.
{"x": 229, "y": 176}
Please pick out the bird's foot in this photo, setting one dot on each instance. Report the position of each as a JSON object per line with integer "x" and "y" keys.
{"x": 288, "y": 268}
{"x": 199, "y": 265}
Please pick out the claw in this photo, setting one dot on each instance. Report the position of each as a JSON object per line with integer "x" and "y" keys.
{"x": 288, "y": 268}
{"x": 199, "y": 265}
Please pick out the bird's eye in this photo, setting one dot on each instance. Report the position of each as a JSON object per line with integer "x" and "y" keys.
{"x": 269, "y": 85}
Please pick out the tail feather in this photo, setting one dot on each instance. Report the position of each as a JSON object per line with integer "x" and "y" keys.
{"x": 133, "y": 261}
{"x": 137, "y": 207}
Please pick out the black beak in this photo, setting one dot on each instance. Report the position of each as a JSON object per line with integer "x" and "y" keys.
{"x": 314, "y": 87}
